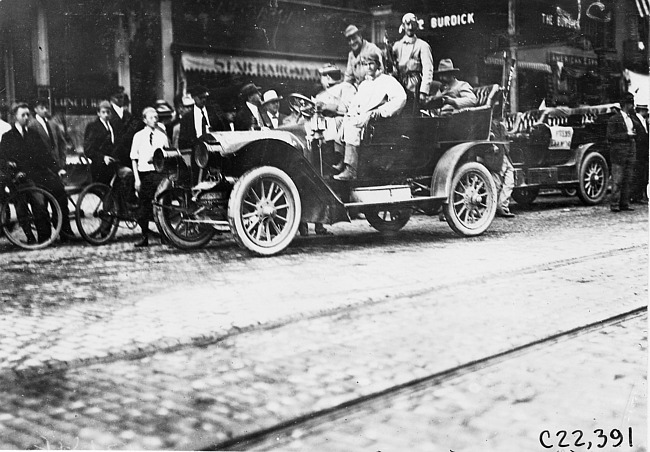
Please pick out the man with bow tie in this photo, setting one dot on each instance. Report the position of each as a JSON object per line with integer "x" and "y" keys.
{"x": 271, "y": 108}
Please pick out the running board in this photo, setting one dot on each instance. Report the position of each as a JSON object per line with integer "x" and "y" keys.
{"x": 408, "y": 202}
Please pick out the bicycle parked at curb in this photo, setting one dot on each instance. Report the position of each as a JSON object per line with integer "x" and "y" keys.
{"x": 101, "y": 208}
{"x": 30, "y": 216}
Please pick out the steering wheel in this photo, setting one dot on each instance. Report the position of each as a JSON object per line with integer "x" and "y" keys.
{"x": 301, "y": 105}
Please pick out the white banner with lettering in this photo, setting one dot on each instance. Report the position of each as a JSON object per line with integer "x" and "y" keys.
{"x": 253, "y": 66}
{"x": 561, "y": 137}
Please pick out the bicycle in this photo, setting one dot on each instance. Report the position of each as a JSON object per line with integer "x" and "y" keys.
{"x": 30, "y": 216}
{"x": 100, "y": 209}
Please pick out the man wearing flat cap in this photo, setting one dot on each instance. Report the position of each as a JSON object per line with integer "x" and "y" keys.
{"x": 455, "y": 94}
{"x": 621, "y": 133}
{"x": 379, "y": 96}
{"x": 249, "y": 116}
{"x": 199, "y": 120}
{"x": 271, "y": 109}
{"x": 355, "y": 72}
{"x": 414, "y": 63}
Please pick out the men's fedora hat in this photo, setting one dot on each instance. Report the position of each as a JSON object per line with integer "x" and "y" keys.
{"x": 351, "y": 30}
{"x": 446, "y": 65}
{"x": 628, "y": 98}
{"x": 248, "y": 89}
{"x": 270, "y": 96}
{"x": 199, "y": 90}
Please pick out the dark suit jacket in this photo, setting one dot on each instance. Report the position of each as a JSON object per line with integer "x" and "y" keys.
{"x": 187, "y": 136}
{"x": 244, "y": 118}
{"x": 621, "y": 145}
{"x": 267, "y": 119}
{"x": 30, "y": 154}
{"x": 55, "y": 142}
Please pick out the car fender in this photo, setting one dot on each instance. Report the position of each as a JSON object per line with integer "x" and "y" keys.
{"x": 481, "y": 151}
{"x": 584, "y": 149}
{"x": 319, "y": 203}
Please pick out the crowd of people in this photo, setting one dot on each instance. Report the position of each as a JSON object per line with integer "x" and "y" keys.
{"x": 401, "y": 79}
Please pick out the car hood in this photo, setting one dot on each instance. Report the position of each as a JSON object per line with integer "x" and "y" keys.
{"x": 231, "y": 142}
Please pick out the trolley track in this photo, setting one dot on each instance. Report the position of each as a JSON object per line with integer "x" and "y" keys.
{"x": 306, "y": 421}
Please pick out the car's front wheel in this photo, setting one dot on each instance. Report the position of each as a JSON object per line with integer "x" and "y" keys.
{"x": 472, "y": 202}
{"x": 264, "y": 210}
{"x": 593, "y": 179}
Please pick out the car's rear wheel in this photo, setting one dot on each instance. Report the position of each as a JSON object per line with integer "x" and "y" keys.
{"x": 525, "y": 195}
{"x": 593, "y": 179}
{"x": 472, "y": 202}
{"x": 387, "y": 220}
{"x": 264, "y": 210}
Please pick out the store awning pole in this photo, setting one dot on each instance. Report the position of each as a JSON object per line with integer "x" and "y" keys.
{"x": 512, "y": 30}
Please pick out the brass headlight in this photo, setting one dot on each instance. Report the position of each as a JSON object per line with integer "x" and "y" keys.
{"x": 202, "y": 153}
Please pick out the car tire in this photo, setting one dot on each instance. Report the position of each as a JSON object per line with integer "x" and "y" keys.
{"x": 594, "y": 174}
{"x": 472, "y": 202}
{"x": 387, "y": 220}
{"x": 569, "y": 191}
{"x": 174, "y": 206}
{"x": 264, "y": 210}
{"x": 525, "y": 195}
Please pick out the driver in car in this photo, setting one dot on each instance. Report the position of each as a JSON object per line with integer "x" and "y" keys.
{"x": 380, "y": 95}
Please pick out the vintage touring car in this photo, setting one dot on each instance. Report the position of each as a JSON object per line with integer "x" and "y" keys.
{"x": 262, "y": 184}
{"x": 561, "y": 148}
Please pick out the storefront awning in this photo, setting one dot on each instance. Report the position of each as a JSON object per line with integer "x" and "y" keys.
{"x": 643, "y": 6}
{"x": 254, "y": 66}
{"x": 540, "y": 67}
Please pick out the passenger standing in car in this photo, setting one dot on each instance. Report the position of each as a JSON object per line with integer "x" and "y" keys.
{"x": 145, "y": 143}
{"x": 640, "y": 192}
{"x": 249, "y": 116}
{"x": 379, "y": 96}
{"x": 414, "y": 64}
{"x": 200, "y": 120}
{"x": 622, "y": 150}
{"x": 355, "y": 72}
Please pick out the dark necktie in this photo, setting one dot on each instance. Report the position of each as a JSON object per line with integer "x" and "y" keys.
{"x": 204, "y": 123}
{"x": 151, "y": 138}
{"x": 49, "y": 134}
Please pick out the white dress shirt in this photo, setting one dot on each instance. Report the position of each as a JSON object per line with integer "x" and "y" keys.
{"x": 275, "y": 119}
{"x": 198, "y": 120}
{"x": 41, "y": 121}
{"x": 145, "y": 143}
{"x": 119, "y": 110}
{"x": 256, "y": 113}
{"x": 628, "y": 123}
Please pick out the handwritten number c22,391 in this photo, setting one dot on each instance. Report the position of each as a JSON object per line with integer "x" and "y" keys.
{"x": 547, "y": 441}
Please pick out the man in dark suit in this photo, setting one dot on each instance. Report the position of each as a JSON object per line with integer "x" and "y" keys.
{"x": 50, "y": 134}
{"x": 26, "y": 149}
{"x": 249, "y": 116}
{"x": 100, "y": 143}
{"x": 200, "y": 120}
{"x": 271, "y": 109}
{"x": 622, "y": 150}
{"x": 124, "y": 126}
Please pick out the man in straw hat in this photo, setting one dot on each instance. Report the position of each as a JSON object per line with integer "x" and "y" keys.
{"x": 455, "y": 94}
{"x": 271, "y": 108}
{"x": 360, "y": 48}
{"x": 414, "y": 63}
{"x": 379, "y": 96}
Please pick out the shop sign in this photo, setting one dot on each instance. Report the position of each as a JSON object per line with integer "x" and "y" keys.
{"x": 561, "y": 19}
{"x": 252, "y": 66}
{"x": 561, "y": 137}
{"x": 572, "y": 60}
{"x": 453, "y": 20}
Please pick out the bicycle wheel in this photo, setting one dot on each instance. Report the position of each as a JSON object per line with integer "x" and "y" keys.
{"x": 31, "y": 218}
{"x": 96, "y": 214}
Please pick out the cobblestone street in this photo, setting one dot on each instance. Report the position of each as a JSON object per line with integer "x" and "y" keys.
{"x": 113, "y": 347}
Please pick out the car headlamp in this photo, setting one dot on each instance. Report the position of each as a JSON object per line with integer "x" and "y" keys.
{"x": 202, "y": 153}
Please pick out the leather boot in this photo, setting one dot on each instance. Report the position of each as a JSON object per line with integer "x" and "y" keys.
{"x": 144, "y": 241}
{"x": 351, "y": 161}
